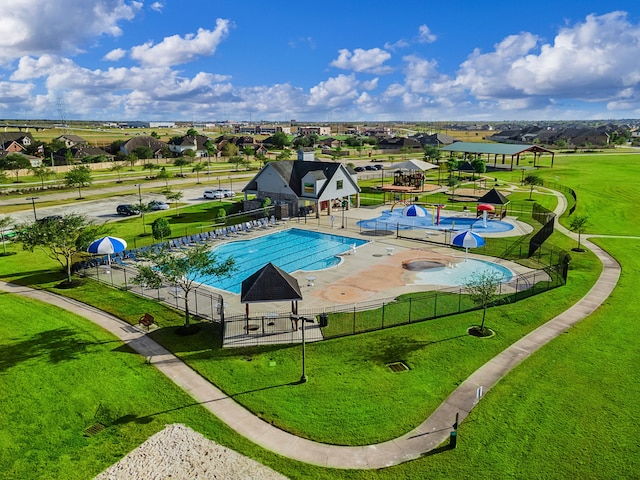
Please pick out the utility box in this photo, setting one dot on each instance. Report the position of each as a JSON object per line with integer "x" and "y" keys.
{"x": 282, "y": 211}
{"x": 453, "y": 439}
{"x": 324, "y": 319}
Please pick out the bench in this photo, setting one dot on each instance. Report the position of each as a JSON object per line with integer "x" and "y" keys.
{"x": 147, "y": 320}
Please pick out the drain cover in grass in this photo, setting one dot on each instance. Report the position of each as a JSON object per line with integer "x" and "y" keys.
{"x": 94, "y": 429}
{"x": 397, "y": 367}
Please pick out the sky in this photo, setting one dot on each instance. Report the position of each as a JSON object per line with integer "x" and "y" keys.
{"x": 328, "y": 61}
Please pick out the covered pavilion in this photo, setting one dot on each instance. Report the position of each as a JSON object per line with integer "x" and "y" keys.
{"x": 499, "y": 149}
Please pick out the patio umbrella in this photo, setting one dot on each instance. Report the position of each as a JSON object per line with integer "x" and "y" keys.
{"x": 467, "y": 240}
{"x": 414, "y": 211}
{"x": 484, "y": 208}
{"x": 106, "y": 246}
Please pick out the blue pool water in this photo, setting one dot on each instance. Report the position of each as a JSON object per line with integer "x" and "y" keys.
{"x": 290, "y": 250}
{"x": 389, "y": 220}
{"x": 460, "y": 273}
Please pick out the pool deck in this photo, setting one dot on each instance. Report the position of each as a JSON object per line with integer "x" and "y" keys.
{"x": 374, "y": 272}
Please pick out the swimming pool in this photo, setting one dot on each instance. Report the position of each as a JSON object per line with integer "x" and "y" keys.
{"x": 390, "y": 220}
{"x": 291, "y": 250}
{"x": 460, "y": 273}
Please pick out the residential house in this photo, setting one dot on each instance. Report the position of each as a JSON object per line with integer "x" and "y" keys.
{"x": 156, "y": 146}
{"x": 196, "y": 143}
{"x": 303, "y": 187}
{"x": 398, "y": 143}
{"x": 15, "y": 142}
{"x": 72, "y": 140}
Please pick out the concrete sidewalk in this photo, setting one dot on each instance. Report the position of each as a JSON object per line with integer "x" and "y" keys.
{"x": 431, "y": 433}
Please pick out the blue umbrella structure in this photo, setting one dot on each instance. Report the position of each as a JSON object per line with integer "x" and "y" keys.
{"x": 414, "y": 211}
{"x": 106, "y": 246}
{"x": 467, "y": 240}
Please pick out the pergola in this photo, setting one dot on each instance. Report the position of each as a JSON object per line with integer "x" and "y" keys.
{"x": 498, "y": 149}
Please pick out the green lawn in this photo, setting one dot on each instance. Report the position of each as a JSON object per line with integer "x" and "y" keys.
{"x": 566, "y": 412}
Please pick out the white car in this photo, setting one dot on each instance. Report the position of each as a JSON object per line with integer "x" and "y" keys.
{"x": 215, "y": 194}
{"x": 228, "y": 193}
{"x": 158, "y": 205}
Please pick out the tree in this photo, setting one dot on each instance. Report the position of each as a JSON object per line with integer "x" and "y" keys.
{"x": 4, "y": 223}
{"x": 143, "y": 208}
{"x": 197, "y": 168}
{"x": 479, "y": 166}
{"x": 284, "y": 155}
{"x": 175, "y": 198}
{"x": 165, "y": 175}
{"x": 61, "y": 240}
{"x": 533, "y": 181}
{"x": 229, "y": 150}
{"x": 15, "y": 162}
{"x": 192, "y": 132}
{"x": 143, "y": 152}
{"x": 452, "y": 166}
{"x": 262, "y": 158}
{"x": 155, "y": 135}
{"x": 237, "y": 161}
{"x": 453, "y": 183}
{"x": 181, "y": 269}
{"x": 43, "y": 173}
{"x": 3, "y": 176}
{"x": 181, "y": 162}
{"x": 160, "y": 229}
{"x": 482, "y": 289}
{"x": 117, "y": 167}
{"x": 280, "y": 140}
{"x": 79, "y": 177}
{"x": 132, "y": 158}
{"x": 579, "y": 224}
{"x": 431, "y": 154}
{"x": 211, "y": 148}
{"x": 248, "y": 151}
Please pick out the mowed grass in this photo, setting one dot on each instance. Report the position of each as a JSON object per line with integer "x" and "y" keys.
{"x": 60, "y": 374}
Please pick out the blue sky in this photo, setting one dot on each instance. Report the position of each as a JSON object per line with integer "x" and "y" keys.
{"x": 324, "y": 61}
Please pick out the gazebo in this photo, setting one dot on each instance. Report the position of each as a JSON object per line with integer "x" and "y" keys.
{"x": 494, "y": 197}
{"x": 270, "y": 284}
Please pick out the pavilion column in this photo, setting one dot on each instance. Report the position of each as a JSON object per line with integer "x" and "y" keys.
{"x": 357, "y": 200}
{"x": 329, "y": 205}
{"x": 317, "y": 208}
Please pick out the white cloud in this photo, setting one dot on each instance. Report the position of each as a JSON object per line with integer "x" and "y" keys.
{"x": 369, "y": 61}
{"x": 66, "y": 25}
{"x": 395, "y": 45}
{"x": 176, "y": 50}
{"x": 425, "y": 35}
{"x": 157, "y": 6}
{"x": 334, "y": 92}
{"x": 594, "y": 60}
{"x": 115, "y": 55}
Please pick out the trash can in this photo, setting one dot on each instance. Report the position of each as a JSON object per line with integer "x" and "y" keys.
{"x": 453, "y": 439}
{"x": 324, "y": 319}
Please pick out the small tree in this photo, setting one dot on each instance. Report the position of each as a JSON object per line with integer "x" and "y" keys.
{"x": 4, "y": 223}
{"x": 117, "y": 167}
{"x": 579, "y": 224}
{"x": 165, "y": 175}
{"x": 284, "y": 155}
{"x": 453, "y": 183}
{"x": 79, "y": 177}
{"x": 181, "y": 269}
{"x": 61, "y": 240}
{"x": 175, "y": 198}
{"x": 197, "y": 168}
{"x": 143, "y": 152}
{"x": 483, "y": 290}
{"x": 181, "y": 162}
{"x": 43, "y": 173}
{"x": 220, "y": 215}
{"x": 452, "y": 166}
{"x": 132, "y": 159}
{"x": 431, "y": 154}
{"x": 229, "y": 150}
{"x": 15, "y": 162}
{"x": 160, "y": 229}
{"x": 192, "y": 132}
{"x": 151, "y": 167}
{"x": 533, "y": 181}
{"x": 143, "y": 208}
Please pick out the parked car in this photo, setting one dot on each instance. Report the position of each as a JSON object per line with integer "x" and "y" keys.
{"x": 127, "y": 210}
{"x": 370, "y": 167}
{"x": 359, "y": 169}
{"x": 228, "y": 193}
{"x": 215, "y": 194}
{"x": 378, "y": 166}
{"x": 158, "y": 205}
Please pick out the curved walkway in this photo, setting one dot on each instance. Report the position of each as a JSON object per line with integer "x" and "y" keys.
{"x": 431, "y": 433}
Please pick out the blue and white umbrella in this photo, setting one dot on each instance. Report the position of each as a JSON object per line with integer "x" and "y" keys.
{"x": 467, "y": 240}
{"x": 414, "y": 211}
{"x": 106, "y": 246}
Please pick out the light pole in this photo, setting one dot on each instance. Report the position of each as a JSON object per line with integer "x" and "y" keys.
{"x": 33, "y": 203}
{"x": 303, "y": 378}
{"x": 219, "y": 183}
{"x": 230, "y": 184}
